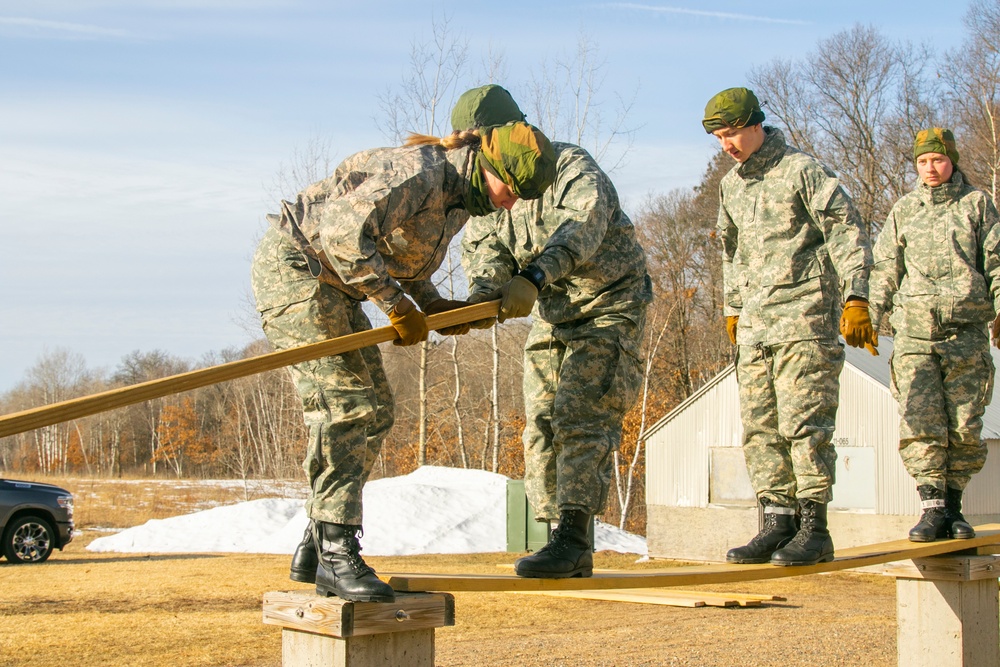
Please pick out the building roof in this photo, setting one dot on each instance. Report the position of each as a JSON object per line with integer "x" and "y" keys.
{"x": 876, "y": 368}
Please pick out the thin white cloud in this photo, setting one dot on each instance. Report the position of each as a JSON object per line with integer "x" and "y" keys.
{"x": 701, "y": 12}
{"x": 61, "y": 27}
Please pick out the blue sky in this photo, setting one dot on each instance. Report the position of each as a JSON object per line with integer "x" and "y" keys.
{"x": 140, "y": 140}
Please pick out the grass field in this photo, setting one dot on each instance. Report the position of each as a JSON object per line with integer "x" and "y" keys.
{"x": 84, "y": 608}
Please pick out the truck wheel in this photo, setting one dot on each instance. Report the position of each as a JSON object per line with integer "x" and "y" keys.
{"x": 28, "y": 539}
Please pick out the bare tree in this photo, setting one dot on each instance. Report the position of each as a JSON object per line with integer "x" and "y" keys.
{"x": 971, "y": 76}
{"x": 568, "y": 104}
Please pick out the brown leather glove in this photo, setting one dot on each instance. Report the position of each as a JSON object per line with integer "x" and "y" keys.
{"x": 409, "y": 323}
{"x": 517, "y": 298}
{"x": 731, "y": 322}
{"x": 995, "y": 331}
{"x": 444, "y": 305}
{"x": 856, "y": 324}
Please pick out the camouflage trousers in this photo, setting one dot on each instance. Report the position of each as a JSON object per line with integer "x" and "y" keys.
{"x": 580, "y": 379}
{"x": 346, "y": 399}
{"x": 788, "y": 404}
{"x": 943, "y": 388}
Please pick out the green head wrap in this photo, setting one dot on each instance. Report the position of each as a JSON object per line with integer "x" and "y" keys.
{"x": 936, "y": 140}
{"x": 486, "y": 106}
{"x": 521, "y": 156}
{"x": 733, "y": 107}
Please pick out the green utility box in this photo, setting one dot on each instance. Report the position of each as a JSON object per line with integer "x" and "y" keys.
{"x": 523, "y": 532}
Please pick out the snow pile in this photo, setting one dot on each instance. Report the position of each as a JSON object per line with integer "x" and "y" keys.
{"x": 433, "y": 510}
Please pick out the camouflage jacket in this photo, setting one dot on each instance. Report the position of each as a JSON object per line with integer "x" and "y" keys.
{"x": 381, "y": 224}
{"x": 576, "y": 233}
{"x": 793, "y": 246}
{"x": 936, "y": 261}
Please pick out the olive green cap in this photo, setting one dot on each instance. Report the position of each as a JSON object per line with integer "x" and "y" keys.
{"x": 522, "y": 156}
{"x": 936, "y": 140}
{"x": 483, "y": 107}
{"x": 733, "y": 107}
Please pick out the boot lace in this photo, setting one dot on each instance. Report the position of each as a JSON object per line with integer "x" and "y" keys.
{"x": 353, "y": 552}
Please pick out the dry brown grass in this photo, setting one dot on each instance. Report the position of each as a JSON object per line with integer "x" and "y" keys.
{"x": 124, "y": 609}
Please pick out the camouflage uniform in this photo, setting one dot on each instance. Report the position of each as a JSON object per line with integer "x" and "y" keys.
{"x": 936, "y": 267}
{"x": 582, "y": 369}
{"x": 793, "y": 248}
{"x": 378, "y": 227}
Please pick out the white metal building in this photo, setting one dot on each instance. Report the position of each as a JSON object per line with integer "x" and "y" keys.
{"x": 698, "y": 495}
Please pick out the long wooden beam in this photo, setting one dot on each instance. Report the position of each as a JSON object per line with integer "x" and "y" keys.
{"x": 74, "y": 408}
{"x": 694, "y": 575}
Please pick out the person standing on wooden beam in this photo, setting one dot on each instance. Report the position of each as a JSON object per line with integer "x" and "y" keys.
{"x": 575, "y": 253}
{"x": 796, "y": 259}
{"x": 376, "y": 229}
{"x": 937, "y": 270}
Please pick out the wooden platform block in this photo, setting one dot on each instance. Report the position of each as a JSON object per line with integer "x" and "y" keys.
{"x": 331, "y": 632}
{"x": 951, "y": 622}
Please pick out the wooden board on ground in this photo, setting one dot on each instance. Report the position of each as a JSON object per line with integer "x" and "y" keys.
{"x": 694, "y": 575}
{"x": 670, "y": 598}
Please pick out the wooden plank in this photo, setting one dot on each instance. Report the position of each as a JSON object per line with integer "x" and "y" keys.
{"x": 946, "y": 568}
{"x": 630, "y": 595}
{"x": 74, "y": 408}
{"x": 334, "y": 617}
{"x": 694, "y": 575}
{"x": 668, "y": 597}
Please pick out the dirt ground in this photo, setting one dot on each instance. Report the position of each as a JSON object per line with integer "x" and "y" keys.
{"x": 89, "y": 609}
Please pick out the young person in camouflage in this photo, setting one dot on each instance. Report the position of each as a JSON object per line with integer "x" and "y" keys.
{"x": 937, "y": 269}
{"x": 574, "y": 251}
{"x": 793, "y": 249}
{"x": 376, "y": 229}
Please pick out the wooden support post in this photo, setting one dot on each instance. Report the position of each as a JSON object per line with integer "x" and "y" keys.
{"x": 947, "y": 611}
{"x": 330, "y": 632}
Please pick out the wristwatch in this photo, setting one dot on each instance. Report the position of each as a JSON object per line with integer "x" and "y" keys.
{"x": 534, "y": 275}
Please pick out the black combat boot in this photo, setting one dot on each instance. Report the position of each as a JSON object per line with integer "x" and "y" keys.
{"x": 569, "y": 552}
{"x": 933, "y": 524}
{"x": 305, "y": 559}
{"x": 341, "y": 570}
{"x": 777, "y": 528}
{"x": 959, "y": 527}
{"x": 812, "y": 544}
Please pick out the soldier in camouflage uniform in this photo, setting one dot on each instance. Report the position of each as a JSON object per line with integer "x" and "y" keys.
{"x": 575, "y": 251}
{"x": 793, "y": 249}
{"x": 376, "y": 229}
{"x": 937, "y": 270}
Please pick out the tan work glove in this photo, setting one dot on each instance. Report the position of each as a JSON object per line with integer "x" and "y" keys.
{"x": 995, "y": 331}
{"x": 731, "y": 322}
{"x": 409, "y": 323}
{"x": 444, "y": 305}
{"x": 517, "y": 298}
{"x": 856, "y": 325}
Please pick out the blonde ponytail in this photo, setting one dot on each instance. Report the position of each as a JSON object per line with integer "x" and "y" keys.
{"x": 456, "y": 139}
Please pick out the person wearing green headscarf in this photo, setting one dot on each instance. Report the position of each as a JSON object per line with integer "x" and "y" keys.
{"x": 572, "y": 260}
{"x": 796, "y": 259}
{"x": 937, "y": 271}
{"x": 376, "y": 229}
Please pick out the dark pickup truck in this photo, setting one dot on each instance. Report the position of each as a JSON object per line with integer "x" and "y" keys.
{"x": 35, "y": 519}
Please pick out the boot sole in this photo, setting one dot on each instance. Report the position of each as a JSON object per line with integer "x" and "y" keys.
{"x": 749, "y": 561}
{"x": 927, "y": 539}
{"x": 303, "y": 576}
{"x": 824, "y": 559}
{"x": 330, "y": 593}
{"x": 529, "y": 574}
